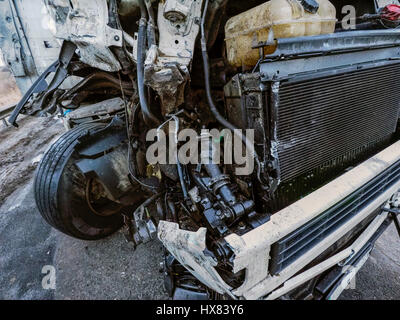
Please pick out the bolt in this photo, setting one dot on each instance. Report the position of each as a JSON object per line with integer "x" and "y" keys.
{"x": 116, "y": 38}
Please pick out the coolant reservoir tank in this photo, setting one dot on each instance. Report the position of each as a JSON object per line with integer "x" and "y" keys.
{"x": 287, "y": 19}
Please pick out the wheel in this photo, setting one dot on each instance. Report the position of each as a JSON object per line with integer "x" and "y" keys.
{"x": 69, "y": 201}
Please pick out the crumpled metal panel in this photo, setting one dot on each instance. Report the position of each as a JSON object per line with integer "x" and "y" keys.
{"x": 86, "y": 24}
{"x": 189, "y": 248}
{"x": 167, "y": 65}
{"x": 15, "y": 46}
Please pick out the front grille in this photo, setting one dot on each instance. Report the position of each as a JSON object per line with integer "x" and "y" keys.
{"x": 332, "y": 120}
{"x": 288, "y": 249}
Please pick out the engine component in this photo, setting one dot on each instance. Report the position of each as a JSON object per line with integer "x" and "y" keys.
{"x": 220, "y": 213}
{"x": 167, "y": 65}
{"x": 149, "y": 118}
{"x": 104, "y": 110}
{"x": 285, "y": 18}
{"x": 300, "y": 121}
{"x": 387, "y": 15}
{"x": 312, "y": 132}
{"x": 141, "y": 229}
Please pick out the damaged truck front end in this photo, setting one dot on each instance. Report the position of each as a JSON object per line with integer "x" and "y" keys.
{"x": 258, "y": 141}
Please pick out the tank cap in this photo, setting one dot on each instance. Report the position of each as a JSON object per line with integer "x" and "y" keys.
{"x": 311, "y": 6}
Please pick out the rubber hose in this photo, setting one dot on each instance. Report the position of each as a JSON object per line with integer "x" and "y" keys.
{"x": 149, "y": 118}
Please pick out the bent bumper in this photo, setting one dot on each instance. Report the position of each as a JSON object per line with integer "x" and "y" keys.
{"x": 275, "y": 252}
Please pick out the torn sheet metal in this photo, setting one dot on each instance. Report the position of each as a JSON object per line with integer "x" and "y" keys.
{"x": 86, "y": 24}
{"x": 189, "y": 248}
{"x": 167, "y": 79}
{"x": 167, "y": 65}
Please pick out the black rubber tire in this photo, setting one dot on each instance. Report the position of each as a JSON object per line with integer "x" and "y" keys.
{"x": 60, "y": 191}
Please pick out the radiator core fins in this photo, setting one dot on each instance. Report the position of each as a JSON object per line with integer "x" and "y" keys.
{"x": 331, "y": 120}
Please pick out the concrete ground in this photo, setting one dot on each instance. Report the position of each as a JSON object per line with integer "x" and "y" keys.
{"x": 379, "y": 279}
{"x": 108, "y": 269}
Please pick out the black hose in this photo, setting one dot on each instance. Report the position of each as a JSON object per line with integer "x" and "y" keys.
{"x": 197, "y": 179}
{"x": 149, "y": 118}
{"x": 182, "y": 178}
{"x": 178, "y": 164}
{"x": 172, "y": 208}
{"x": 206, "y": 65}
{"x": 211, "y": 103}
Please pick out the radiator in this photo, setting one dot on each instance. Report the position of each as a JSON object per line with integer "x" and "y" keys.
{"x": 287, "y": 250}
{"x": 328, "y": 121}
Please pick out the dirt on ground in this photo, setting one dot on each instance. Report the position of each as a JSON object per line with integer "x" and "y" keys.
{"x": 21, "y": 151}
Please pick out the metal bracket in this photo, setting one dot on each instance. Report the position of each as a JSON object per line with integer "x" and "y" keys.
{"x": 140, "y": 226}
{"x": 60, "y": 67}
{"x": 335, "y": 43}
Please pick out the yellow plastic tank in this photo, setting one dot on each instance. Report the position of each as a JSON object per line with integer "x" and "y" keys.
{"x": 287, "y": 18}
